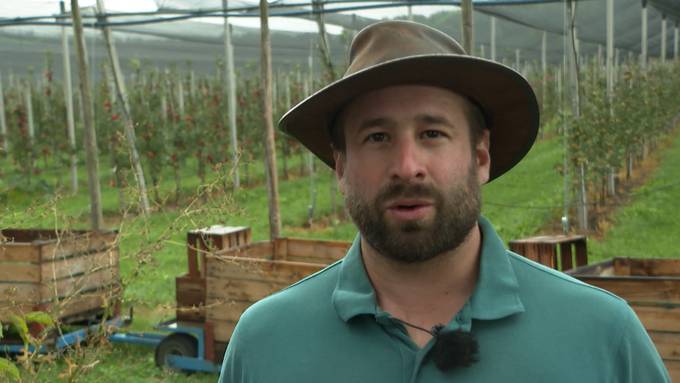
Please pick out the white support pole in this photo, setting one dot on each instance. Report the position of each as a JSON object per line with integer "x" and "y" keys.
{"x": 517, "y": 60}
{"x": 493, "y": 38}
{"x": 29, "y": 112}
{"x": 675, "y": 42}
{"x": 482, "y": 52}
{"x": 68, "y": 97}
{"x": 643, "y": 56}
{"x": 410, "y": 13}
{"x": 3, "y": 122}
{"x": 467, "y": 13}
{"x": 610, "y": 49}
{"x": 544, "y": 68}
{"x": 663, "y": 39}
{"x": 230, "y": 78}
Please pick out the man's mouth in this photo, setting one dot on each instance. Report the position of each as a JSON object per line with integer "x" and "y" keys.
{"x": 409, "y": 209}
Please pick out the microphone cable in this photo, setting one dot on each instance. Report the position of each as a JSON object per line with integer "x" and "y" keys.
{"x": 451, "y": 349}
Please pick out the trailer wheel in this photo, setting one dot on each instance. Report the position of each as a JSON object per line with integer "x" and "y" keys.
{"x": 175, "y": 344}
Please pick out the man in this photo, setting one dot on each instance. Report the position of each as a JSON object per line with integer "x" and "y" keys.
{"x": 427, "y": 292}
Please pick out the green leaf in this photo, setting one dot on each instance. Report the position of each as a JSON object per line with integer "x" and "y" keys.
{"x": 40, "y": 317}
{"x": 20, "y": 325}
{"x": 9, "y": 370}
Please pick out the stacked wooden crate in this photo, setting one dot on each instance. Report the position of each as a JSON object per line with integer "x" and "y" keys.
{"x": 238, "y": 277}
{"x": 71, "y": 275}
{"x": 652, "y": 288}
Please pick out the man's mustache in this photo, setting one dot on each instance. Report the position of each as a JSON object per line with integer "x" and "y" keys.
{"x": 406, "y": 190}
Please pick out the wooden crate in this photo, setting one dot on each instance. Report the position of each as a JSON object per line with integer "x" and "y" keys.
{"x": 652, "y": 288}
{"x": 69, "y": 274}
{"x": 190, "y": 287}
{"x": 560, "y": 252}
{"x": 239, "y": 277}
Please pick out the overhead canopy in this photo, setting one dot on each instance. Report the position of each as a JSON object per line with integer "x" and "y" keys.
{"x": 29, "y": 28}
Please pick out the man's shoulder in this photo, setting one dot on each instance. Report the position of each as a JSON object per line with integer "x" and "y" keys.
{"x": 543, "y": 283}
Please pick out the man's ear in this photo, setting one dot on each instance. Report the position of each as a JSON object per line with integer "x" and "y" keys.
{"x": 483, "y": 157}
{"x": 339, "y": 158}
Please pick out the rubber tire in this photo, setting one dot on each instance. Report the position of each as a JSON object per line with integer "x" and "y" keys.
{"x": 175, "y": 344}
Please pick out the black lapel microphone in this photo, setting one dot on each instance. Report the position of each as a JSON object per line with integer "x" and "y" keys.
{"x": 451, "y": 349}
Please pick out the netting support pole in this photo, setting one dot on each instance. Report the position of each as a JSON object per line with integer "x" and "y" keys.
{"x": 544, "y": 68}
{"x": 493, "y": 38}
{"x": 68, "y": 97}
{"x": 663, "y": 39}
{"x": 675, "y": 42}
{"x": 410, "y": 12}
{"x": 269, "y": 138}
{"x": 643, "y": 55}
{"x": 517, "y": 60}
{"x": 610, "y": 51}
{"x": 3, "y": 123}
{"x": 124, "y": 104}
{"x": 230, "y": 88}
{"x": 468, "y": 26}
{"x": 90, "y": 141}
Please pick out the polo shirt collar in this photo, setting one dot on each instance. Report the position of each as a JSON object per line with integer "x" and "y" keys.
{"x": 496, "y": 294}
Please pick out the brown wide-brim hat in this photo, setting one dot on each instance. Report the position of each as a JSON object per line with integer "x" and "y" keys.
{"x": 394, "y": 53}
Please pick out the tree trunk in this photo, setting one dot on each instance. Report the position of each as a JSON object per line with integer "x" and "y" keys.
{"x": 91, "y": 153}
{"x": 270, "y": 146}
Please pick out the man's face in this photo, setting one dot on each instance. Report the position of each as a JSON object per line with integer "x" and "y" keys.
{"x": 410, "y": 175}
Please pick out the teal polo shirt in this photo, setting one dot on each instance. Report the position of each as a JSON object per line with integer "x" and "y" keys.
{"x": 533, "y": 324}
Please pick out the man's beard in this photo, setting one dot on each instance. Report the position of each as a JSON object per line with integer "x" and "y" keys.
{"x": 456, "y": 213}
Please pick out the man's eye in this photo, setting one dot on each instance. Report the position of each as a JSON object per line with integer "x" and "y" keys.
{"x": 432, "y": 134}
{"x": 376, "y": 137}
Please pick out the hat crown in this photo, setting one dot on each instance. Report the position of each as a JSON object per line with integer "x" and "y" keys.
{"x": 390, "y": 40}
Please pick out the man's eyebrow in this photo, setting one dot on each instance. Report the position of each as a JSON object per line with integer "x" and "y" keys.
{"x": 428, "y": 118}
{"x": 374, "y": 123}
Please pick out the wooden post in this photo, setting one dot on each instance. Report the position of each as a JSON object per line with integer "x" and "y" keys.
{"x": 493, "y": 38}
{"x": 68, "y": 97}
{"x": 663, "y": 38}
{"x": 91, "y": 155}
{"x": 128, "y": 124}
{"x": 643, "y": 55}
{"x": 270, "y": 145}
{"x": 468, "y": 26}
{"x": 3, "y": 123}
{"x": 230, "y": 88}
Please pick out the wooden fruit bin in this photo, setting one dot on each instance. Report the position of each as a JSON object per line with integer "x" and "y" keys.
{"x": 652, "y": 288}
{"x": 238, "y": 277}
{"x": 71, "y": 275}
{"x": 227, "y": 273}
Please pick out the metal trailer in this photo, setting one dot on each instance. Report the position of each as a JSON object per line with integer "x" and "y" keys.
{"x": 176, "y": 346}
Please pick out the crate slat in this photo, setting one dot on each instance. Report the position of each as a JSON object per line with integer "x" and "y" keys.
{"x": 65, "y": 267}
{"x": 19, "y": 252}
{"x": 19, "y": 272}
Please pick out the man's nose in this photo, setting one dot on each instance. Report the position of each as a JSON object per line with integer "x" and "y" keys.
{"x": 407, "y": 160}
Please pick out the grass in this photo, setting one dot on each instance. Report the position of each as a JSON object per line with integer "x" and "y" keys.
{"x": 648, "y": 226}
{"x": 153, "y": 249}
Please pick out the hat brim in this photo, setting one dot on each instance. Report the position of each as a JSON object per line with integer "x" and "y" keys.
{"x": 506, "y": 98}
